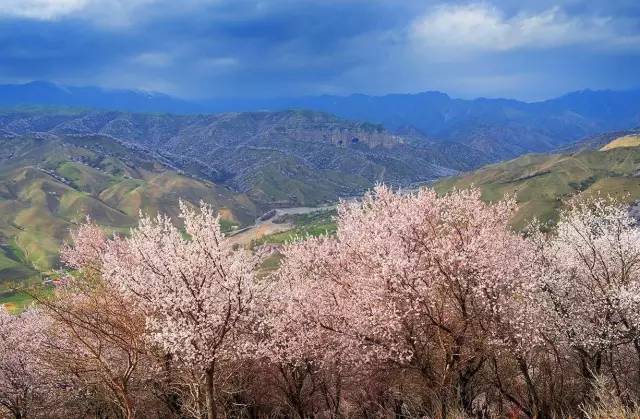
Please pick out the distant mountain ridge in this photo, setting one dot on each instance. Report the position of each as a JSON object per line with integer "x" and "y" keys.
{"x": 43, "y": 93}
{"x": 500, "y": 128}
{"x": 497, "y": 128}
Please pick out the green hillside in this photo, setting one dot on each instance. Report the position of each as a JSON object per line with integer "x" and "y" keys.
{"x": 50, "y": 184}
{"x": 543, "y": 182}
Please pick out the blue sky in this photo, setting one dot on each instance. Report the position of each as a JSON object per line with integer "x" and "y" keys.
{"x": 270, "y": 48}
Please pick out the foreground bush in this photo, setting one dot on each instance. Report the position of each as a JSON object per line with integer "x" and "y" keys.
{"x": 420, "y": 306}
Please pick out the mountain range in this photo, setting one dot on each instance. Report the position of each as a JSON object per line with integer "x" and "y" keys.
{"x": 68, "y": 152}
{"x": 497, "y": 128}
{"x": 276, "y": 158}
{"x": 45, "y": 93}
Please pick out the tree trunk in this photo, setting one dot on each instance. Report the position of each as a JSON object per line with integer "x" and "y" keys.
{"x": 536, "y": 407}
{"x": 293, "y": 378}
{"x": 126, "y": 404}
{"x": 209, "y": 394}
{"x": 128, "y": 411}
{"x": 397, "y": 409}
{"x": 636, "y": 345}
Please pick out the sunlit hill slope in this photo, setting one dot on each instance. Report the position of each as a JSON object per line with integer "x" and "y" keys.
{"x": 49, "y": 183}
{"x": 542, "y": 183}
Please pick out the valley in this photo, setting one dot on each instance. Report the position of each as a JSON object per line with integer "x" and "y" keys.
{"x": 283, "y": 158}
{"x": 278, "y": 221}
{"x": 59, "y": 165}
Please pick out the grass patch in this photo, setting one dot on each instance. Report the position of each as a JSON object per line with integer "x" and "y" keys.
{"x": 16, "y": 301}
{"x": 13, "y": 268}
{"x": 313, "y": 224}
{"x": 269, "y": 265}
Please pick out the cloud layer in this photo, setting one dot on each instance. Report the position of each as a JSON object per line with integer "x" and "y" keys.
{"x": 40, "y": 9}
{"x": 208, "y": 48}
{"x": 479, "y": 27}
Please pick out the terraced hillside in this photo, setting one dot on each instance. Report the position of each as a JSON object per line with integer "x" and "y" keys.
{"x": 277, "y": 158}
{"x": 543, "y": 182}
{"x": 50, "y": 183}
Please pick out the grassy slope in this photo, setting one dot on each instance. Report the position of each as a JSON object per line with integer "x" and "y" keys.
{"x": 48, "y": 186}
{"x": 625, "y": 141}
{"x": 311, "y": 224}
{"x": 288, "y": 181}
{"x": 542, "y": 183}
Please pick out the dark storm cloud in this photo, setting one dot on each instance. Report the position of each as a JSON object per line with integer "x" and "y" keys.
{"x": 208, "y": 48}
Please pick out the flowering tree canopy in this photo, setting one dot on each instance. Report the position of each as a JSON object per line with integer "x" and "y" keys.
{"x": 593, "y": 278}
{"x": 23, "y": 382}
{"x": 420, "y": 305}
{"x": 200, "y": 296}
{"x": 417, "y": 280}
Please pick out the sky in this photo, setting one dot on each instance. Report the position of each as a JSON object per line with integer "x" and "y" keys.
{"x": 199, "y": 49}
